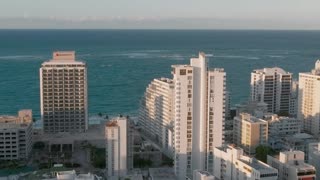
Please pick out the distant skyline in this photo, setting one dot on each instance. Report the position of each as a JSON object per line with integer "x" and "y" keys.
{"x": 160, "y": 14}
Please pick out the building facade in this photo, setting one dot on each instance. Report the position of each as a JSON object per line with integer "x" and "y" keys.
{"x": 308, "y": 101}
{"x": 230, "y": 163}
{"x": 63, "y": 91}
{"x": 314, "y": 157}
{"x": 280, "y": 126}
{"x": 250, "y": 132}
{"x": 199, "y": 114}
{"x": 272, "y": 86}
{"x": 291, "y": 166}
{"x": 16, "y": 136}
{"x": 156, "y": 113}
{"x": 118, "y": 148}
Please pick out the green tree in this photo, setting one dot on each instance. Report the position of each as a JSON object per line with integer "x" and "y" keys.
{"x": 262, "y": 152}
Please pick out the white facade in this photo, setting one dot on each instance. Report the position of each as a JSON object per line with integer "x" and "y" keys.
{"x": 291, "y": 166}
{"x": 230, "y": 163}
{"x": 272, "y": 86}
{"x": 156, "y": 113}
{"x": 16, "y": 136}
{"x": 293, "y": 110}
{"x": 314, "y": 157}
{"x": 249, "y": 132}
{"x": 63, "y": 91}
{"x": 202, "y": 175}
{"x": 117, "y": 147}
{"x": 282, "y": 126}
{"x": 199, "y": 104}
{"x": 308, "y": 101}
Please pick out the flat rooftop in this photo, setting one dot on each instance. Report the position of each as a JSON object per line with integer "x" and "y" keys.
{"x": 162, "y": 174}
{"x": 258, "y": 165}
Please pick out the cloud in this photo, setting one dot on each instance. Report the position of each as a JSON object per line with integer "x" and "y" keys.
{"x": 91, "y": 22}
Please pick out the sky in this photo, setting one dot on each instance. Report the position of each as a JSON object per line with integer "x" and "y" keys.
{"x": 161, "y": 14}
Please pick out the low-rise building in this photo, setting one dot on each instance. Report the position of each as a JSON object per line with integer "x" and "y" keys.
{"x": 291, "y": 166}
{"x": 249, "y": 132}
{"x": 298, "y": 142}
{"x": 16, "y": 136}
{"x": 230, "y": 163}
{"x": 281, "y": 125}
{"x": 314, "y": 157}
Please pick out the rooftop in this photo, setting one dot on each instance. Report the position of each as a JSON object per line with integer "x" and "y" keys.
{"x": 252, "y": 119}
{"x": 63, "y": 57}
{"x": 257, "y": 165}
{"x": 271, "y": 71}
{"x": 162, "y": 173}
{"x": 111, "y": 124}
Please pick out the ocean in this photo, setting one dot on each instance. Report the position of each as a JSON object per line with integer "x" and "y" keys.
{"x": 121, "y": 63}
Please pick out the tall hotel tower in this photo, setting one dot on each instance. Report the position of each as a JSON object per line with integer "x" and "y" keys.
{"x": 199, "y": 115}
{"x": 309, "y": 100}
{"x": 272, "y": 86}
{"x": 63, "y": 91}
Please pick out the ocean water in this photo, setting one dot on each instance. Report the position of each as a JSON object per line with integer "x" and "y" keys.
{"x": 121, "y": 63}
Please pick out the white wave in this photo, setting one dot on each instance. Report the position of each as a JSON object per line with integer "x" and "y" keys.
{"x": 20, "y": 57}
{"x": 276, "y": 56}
{"x": 237, "y": 57}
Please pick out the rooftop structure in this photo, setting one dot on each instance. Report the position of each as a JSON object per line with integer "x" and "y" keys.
{"x": 291, "y": 165}
{"x": 203, "y": 175}
{"x": 230, "y": 163}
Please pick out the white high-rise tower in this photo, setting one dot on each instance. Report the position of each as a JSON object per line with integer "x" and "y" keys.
{"x": 63, "y": 91}
{"x": 199, "y": 115}
{"x": 309, "y": 100}
{"x": 273, "y": 87}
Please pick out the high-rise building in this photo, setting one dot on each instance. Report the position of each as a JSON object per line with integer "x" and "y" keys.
{"x": 272, "y": 86}
{"x": 63, "y": 91}
{"x": 156, "y": 113}
{"x": 199, "y": 104}
{"x": 118, "y": 148}
{"x": 250, "y": 132}
{"x": 16, "y": 136}
{"x": 230, "y": 163}
{"x": 308, "y": 101}
{"x": 291, "y": 166}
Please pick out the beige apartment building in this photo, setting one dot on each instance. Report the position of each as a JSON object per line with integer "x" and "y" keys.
{"x": 249, "y": 132}
{"x": 63, "y": 91}
{"x": 16, "y": 136}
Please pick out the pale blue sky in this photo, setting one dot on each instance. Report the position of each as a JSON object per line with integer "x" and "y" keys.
{"x": 295, "y": 14}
